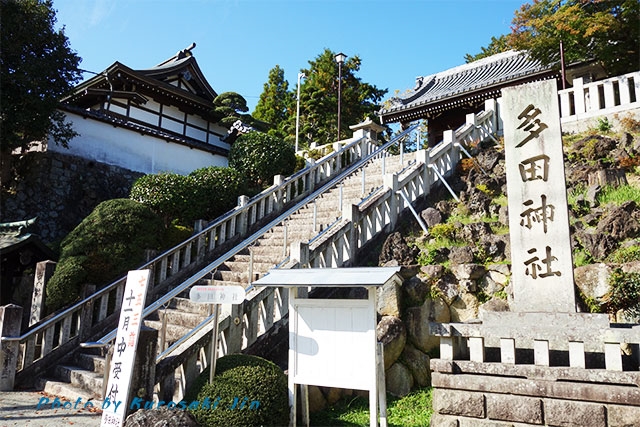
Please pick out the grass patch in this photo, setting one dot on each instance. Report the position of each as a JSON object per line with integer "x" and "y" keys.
{"x": 413, "y": 410}
{"x": 619, "y": 195}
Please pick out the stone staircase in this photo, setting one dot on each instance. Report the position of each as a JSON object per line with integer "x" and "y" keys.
{"x": 84, "y": 376}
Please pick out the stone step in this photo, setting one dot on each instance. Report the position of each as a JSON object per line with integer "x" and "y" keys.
{"x": 90, "y": 362}
{"x": 184, "y": 305}
{"x": 178, "y": 317}
{"x": 174, "y": 332}
{"x": 89, "y": 381}
{"x": 69, "y": 392}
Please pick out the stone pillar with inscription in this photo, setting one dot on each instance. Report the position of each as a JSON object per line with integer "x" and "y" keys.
{"x": 541, "y": 261}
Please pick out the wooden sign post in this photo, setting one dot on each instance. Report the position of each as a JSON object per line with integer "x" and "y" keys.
{"x": 124, "y": 351}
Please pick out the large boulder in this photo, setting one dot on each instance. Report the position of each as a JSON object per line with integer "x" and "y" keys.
{"x": 419, "y": 365}
{"x": 399, "y": 380}
{"x": 431, "y": 217}
{"x": 392, "y": 333}
{"x": 396, "y": 248}
{"x": 620, "y": 222}
{"x": 161, "y": 417}
{"x": 389, "y": 299}
{"x": 417, "y": 320}
{"x": 464, "y": 308}
{"x": 592, "y": 280}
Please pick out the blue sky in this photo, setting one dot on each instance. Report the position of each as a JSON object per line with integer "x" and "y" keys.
{"x": 239, "y": 41}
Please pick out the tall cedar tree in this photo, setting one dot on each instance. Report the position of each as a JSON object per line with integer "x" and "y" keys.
{"x": 37, "y": 68}
{"x": 603, "y": 30}
{"x": 275, "y": 103}
{"x": 319, "y": 101}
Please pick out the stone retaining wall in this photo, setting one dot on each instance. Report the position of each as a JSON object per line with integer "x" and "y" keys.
{"x": 461, "y": 400}
{"x": 61, "y": 190}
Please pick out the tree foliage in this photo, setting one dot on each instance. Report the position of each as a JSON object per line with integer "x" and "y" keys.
{"x": 259, "y": 156}
{"x": 603, "y": 30}
{"x": 276, "y": 103}
{"x": 37, "y": 68}
{"x": 229, "y": 107}
{"x": 497, "y": 45}
{"x": 319, "y": 101}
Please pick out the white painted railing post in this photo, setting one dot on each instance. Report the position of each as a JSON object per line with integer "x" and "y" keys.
{"x": 198, "y": 226}
{"x": 491, "y": 105}
{"x": 336, "y": 148}
{"x": 391, "y": 183}
{"x": 353, "y": 216}
{"x": 243, "y": 220}
{"x": 279, "y": 195}
{"x": 609, "y": 96}
{"x": 300, "y": 253}
{"x": 625, "y": 95}
{"x": 578, "y": 96}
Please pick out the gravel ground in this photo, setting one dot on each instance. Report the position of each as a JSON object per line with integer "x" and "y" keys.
{"x": 20, "y": 408}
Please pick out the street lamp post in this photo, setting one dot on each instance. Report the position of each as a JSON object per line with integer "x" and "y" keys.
{"x": 340, "y": 57}
{"x": 300, "y": 76}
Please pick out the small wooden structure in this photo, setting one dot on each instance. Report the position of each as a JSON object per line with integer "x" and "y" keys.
{"x": 332, "y": 342}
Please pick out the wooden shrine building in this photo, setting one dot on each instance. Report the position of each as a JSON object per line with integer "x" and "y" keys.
{"x": 446, "y": 97}
{"x": 150, "y": 120}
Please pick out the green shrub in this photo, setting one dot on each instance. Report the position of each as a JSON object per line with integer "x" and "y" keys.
{"x": 65, "y": 285}
{"x": 443, "y": 231}
{"x": 260, "y": 157}
{"x": 624, "y": 291}
{"x": 240, "y": 376}
{"x": 165, "y": 193}
{"x": 111, "y": 240}
{"x": 625, "y": 254}
{"x": 213, "y": 191}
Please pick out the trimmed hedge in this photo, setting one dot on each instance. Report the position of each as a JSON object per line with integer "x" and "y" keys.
{"x": 240, "y": 376}
{"x": 260, "y": 156}
{"x": 205, "y": 193}
{"x": 111, "y": 240}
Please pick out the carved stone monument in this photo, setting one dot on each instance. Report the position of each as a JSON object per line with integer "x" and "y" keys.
{"x": 541, "y": 262}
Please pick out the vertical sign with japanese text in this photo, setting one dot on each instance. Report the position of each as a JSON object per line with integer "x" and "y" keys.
{"x": 124, "y": 348}
{"x": 541, "y": 261}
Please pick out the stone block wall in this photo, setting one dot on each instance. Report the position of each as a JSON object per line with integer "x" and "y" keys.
{"x": 61, "y": 190}
{"x": 492, "y": 401}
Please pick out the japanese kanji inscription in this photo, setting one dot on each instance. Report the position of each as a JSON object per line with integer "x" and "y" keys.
{"x": 541, "y": 262}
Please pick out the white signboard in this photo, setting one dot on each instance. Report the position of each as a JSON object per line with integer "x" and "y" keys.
{"x": 217, "y": 294}
{"x": 541, "y": 261}
{"x": 334, "y": 343}
{"x": 124, "y": 350}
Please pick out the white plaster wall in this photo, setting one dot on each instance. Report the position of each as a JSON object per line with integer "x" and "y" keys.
{"x": 112, "y": 145}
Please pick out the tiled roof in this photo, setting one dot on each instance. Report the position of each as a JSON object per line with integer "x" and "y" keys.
{"x": 494, "y": 71}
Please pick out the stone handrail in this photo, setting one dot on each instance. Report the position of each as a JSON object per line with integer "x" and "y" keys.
{"x": 245, "y": 322}
{"x": 48, "y": 340}
{"x": 378, "y": 213}
{"x": 581, "y": 335}
{"x": 613, "y": 95}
